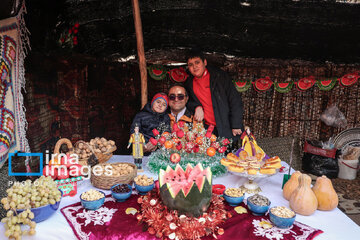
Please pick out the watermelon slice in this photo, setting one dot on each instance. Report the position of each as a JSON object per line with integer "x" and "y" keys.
{"x": 284, "y": 87}
{"x": 305, "y": 83}
{"x": 189, "y": 192}
{"x": 349, "y": 79}
{"x": 178, "y": 74}
{"x": 242, "y": 85}
{"x": 157, "y": 72}
{"x": 327, "y": 84}
{"x": 263, "y": 84}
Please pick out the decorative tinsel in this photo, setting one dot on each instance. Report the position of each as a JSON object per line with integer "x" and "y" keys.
{"x": 167, "y": 224}
{"x": 160, "y": 160}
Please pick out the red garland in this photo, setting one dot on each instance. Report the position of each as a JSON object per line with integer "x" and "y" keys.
{"x": 167, "y": 224}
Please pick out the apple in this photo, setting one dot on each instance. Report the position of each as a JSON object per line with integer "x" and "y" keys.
{"x": 50, "y": 171}
{"x": 62, "y": 173}
{"x": 175, "y": 158}
{"x": 162, "y": 140}
{"x": 180, "y": 133}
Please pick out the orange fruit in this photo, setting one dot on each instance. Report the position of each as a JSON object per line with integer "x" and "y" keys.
{"x": 199, "y": 140}
{"x": 165, "y": 134}
{"x": 211, "y": 151}
{"x": 168, "y": 144}
{"x": 212, "y": 138}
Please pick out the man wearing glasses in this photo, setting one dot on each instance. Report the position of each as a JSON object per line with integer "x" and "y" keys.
{"x": 213, "y": 97}
{"x": 177, "y": 102}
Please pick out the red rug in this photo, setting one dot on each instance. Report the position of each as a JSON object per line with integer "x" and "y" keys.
{"x": 110, "y": 222}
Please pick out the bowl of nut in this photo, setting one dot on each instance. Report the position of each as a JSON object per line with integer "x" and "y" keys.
{"x": 121, "y": 192}
{"x": 92, "y": 199}
{"x": 282, "y": 217}
{"x": 258, "y": 204}
{"x": 234, "y": 196}
{"x": 143, "y": 184}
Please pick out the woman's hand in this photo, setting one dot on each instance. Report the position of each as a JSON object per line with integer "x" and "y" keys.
{"x": 199, "y": 114}
{"x": 149, "y": 147}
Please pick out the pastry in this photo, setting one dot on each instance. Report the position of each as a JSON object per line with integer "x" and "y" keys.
{"x": 252, "y": 171}
{"x": 273, "y": 160}
{"x": 227, "y": 162}
{"x": 267, "y": 170}
{"x": 235, "y": 168}
{"x": 272, "y": 165}
{"x": 232, "y": 157}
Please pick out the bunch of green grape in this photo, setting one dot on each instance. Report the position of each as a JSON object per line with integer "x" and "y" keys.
{"x": 12, "y": 223}
{"x": 27, "y": 195}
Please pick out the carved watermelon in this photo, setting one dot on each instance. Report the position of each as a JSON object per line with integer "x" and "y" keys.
{"x": 283, "y": 87}
{"x": 157, "y": 72}
{"x": 349, "y": 79}
{"x": 242, "y": 85}
{"x": 327, "y": 84}
{"x": 305, "y": 83}
{"x": 263, "y": 84}
{"x": 178, "y": 74}
{"x": 189, "y": 192}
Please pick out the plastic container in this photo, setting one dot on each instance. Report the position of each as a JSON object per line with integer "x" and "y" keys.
{"x": 348, "y": 168}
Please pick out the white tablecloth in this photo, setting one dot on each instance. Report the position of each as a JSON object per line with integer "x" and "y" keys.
{"x": 335, "y": 224}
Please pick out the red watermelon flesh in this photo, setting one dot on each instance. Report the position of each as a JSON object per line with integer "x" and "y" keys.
{"x": 187, "y": 191}
{"x": 157, "y": 71}
{"x": 240, "y": 84}
{"x": 326, "y": 82}
{"x": 283, "y": 85}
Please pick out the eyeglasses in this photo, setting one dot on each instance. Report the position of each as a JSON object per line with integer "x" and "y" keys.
{"x": 180, "y": 97}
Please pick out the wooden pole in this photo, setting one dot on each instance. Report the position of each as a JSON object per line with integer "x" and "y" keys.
{"x": 140, "y": 50}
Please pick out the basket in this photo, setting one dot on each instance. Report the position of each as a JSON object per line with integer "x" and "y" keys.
{"x": 106, "y": 182}
{"x": 84, "y": 161}
{"x": 103, "y": 157}
{"x": 58, "y": 145}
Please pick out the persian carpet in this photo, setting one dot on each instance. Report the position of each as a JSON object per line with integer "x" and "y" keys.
{"x": 13, "y": 43}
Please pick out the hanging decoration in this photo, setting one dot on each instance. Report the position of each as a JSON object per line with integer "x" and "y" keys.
{"x": 305, "y": 83}
{"x": 242, "y": 86}
{"x": 69, "y": 38}
{"x": 157, "y": 72}
{"x": 283, "y": 87}
{"x": 263, "y": 84}
{"x": 349, "y": 79}
{"x": 327, "y": 84}
{"x": 14, "y": 43}
{"x": 178, "y": 74}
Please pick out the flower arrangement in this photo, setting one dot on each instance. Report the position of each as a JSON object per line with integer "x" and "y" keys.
{"x": 194, "y": 144}
{"x": 165, "y": 223}
{"x": 68, "y": 38}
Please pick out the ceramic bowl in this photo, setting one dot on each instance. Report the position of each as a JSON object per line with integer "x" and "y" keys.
{"x": 121, "y": 197}
{"x": 281, "y": 222}
{"x": 92, "y": 205}
{"x": 143, "y": 190}
{"x": 258, "y": 210}
{"x": 234, "y": 201}
{"x": 44, "y": 212}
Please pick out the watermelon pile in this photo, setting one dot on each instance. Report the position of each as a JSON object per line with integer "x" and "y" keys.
{"x": 189, "y": 192}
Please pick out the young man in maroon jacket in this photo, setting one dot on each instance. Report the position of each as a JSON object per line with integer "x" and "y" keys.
{"x": 213, "y": 97}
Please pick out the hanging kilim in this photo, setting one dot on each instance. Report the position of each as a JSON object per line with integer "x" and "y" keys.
{"x": 13, "y": 42}
{"x": 157, "y": 72}
{"x": 243, "y": 85}
{"x": 327, "y": 84}
{"x": 283, "y": 87}
{"x": 349, "y": 79}
{"x": 305, "y": 83}
{"x": 178, "y": 74}
{"x": 263, "y": 84}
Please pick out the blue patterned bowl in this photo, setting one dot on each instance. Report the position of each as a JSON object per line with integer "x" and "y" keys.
{"x": 44, "y": 212}
{"x": 281, "y": 222}
{"x": 92, "y": 205}
{"x": 143, "y": 190}
{"x": 258, "y": 210}
{"x": 121, "y": 197}
{"x": 233, "y": 201}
